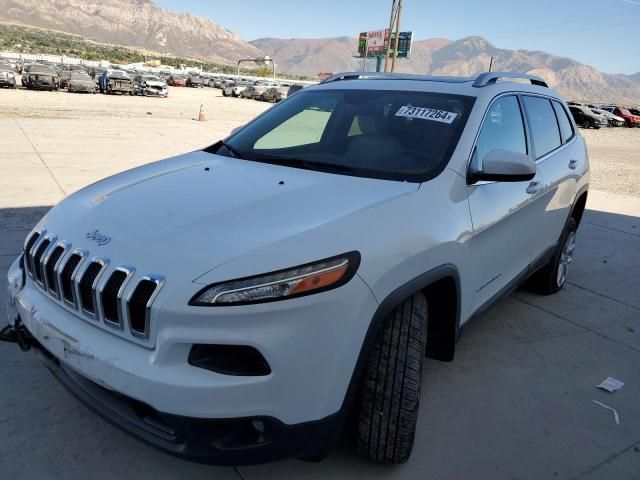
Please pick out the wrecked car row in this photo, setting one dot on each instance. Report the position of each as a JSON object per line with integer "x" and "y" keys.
{"x": 78, "y": 79}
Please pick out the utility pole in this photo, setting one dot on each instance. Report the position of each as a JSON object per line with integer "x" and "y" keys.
{"x": 491, "y": 65}
{"x": 395, "y": 47}
{"x": 392, "y": 20}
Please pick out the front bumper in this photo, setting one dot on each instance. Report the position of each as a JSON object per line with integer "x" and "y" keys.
{"x": 155, "y": 92}
{"x": 311, "y": 344}
{"x": 7, "y": 82}
{"x": 228, "y": 442}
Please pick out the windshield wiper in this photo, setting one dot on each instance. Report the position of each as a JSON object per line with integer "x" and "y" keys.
{"x": 232, "y": 150}
{"x": 308, "y": 164}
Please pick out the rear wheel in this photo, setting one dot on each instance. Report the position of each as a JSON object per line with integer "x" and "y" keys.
{"x": 552, "y": 277}
{"x": 390, "y": 393}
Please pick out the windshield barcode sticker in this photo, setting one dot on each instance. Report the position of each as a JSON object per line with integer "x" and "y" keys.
{"x": 427, "y": 114}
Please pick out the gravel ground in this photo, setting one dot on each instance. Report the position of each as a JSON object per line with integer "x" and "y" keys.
{"x": 614, "y": 153}
{"x": 615, "y": 159}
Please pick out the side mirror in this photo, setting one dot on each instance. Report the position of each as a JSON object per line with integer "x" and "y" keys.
{"x": 502, "y": 166}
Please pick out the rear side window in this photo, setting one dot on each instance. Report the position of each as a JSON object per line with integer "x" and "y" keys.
{"x": 566, "y": 129}
{"x": 543, "y": 125}
{"x": 503, "y": 128}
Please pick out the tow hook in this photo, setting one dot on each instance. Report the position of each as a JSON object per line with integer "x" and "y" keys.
{"x": 17, "y": 334}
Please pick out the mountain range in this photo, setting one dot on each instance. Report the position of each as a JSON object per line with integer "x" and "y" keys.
{"x": 134, "y": 23}
{"x": 145, "y": 25}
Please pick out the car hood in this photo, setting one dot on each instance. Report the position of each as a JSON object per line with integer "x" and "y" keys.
{"x": 183, "y": 217}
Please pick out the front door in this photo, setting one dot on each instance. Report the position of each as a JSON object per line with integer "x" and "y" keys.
{"x": 503, "y": 213}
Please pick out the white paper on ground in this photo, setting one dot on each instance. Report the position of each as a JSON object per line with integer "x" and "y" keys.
{"x": 610, "y": 384}
{"x": 615, "y": 414}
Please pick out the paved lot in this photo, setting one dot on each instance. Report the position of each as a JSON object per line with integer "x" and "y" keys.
{"x": 516, "y": 403}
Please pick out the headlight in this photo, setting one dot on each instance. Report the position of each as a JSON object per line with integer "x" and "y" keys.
{"x": 294, "y": 282}
{"x": 16, "y": 277}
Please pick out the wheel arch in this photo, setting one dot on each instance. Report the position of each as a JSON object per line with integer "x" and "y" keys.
{"x": 441, "y": 286}
{"x": 580, "y": 205}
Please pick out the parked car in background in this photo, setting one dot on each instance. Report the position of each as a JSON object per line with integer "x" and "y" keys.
{"x": 65, "y": 75}
{"x": 177, "y": 80}
{"x": 234, "y": 89}
{"x": 256, "y": 90}
{"x": 275, "y": 94}
{"x": 614, "y": 120}
{"x": 294, "y": 88}
{"x": 115, "y": 81}
{"x": 630, "y": 119}
{"x": 587, "y": 118}
{"x": 195, "y": 81}
{"x": 150, "y": 85}
{"x": 41, "y": 77}
{"x": 80, "y": 81}
{"x": 248, "y": 92}
{"x": 7, "y": 77}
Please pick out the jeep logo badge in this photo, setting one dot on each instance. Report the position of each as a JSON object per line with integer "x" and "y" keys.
{"x": 98, "y": 237}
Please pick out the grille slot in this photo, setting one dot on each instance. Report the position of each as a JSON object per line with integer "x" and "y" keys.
{"x": 86, "y": 287}
{"x": 139, "y": 304}
{"x": 66, "y": 285}
{"x": 36, "y": 260}
{"x": 27, "y": 250}
{"x": 110, "y": 298}
{"x": 50, "y": 268}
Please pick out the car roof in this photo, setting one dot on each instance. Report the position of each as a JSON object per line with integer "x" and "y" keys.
{"x": 487, "y": 84}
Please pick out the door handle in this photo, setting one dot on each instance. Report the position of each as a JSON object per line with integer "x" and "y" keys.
{"x": 534, "y": 187}
{"x": 573, "y": 164}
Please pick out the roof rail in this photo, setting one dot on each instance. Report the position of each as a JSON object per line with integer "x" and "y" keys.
{"x": 393, "y": 76}
{"x": 354, "y": 76}
{"x": 489, "y": 78}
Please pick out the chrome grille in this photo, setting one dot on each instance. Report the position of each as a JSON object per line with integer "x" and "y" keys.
{"x": 50, "y": 264}
{"x": 36, "y": 260}
{"x": 90, "y": 286}
{"x": 87, "y": 286}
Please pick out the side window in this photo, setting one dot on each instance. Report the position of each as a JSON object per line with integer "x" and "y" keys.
{"x": 503, "y": 128}
{"x": 566, "y": 129}
{"x": 543, "y": 125}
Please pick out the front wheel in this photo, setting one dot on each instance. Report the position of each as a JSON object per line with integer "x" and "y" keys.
{"x": 390, "y": 391}
{"x": 586, "y": 124}
{"x": 553, "y": 276}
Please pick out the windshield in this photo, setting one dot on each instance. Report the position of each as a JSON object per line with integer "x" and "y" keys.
{"x": 392, "y": 135}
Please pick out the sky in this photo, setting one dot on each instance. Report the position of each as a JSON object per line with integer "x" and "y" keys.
{"x": 601, "y": 33}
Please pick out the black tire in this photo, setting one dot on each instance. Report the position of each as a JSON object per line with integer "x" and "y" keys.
{"x": 390, "y": 391}
{"x": 586, "y": 124}
{"x": 548, "y": 280}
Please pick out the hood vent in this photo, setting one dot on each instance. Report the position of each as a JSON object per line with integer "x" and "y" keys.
{"x": 89, "y": 286}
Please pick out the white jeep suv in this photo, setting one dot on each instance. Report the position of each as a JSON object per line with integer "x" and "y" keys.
{"x": 235, "y": 305}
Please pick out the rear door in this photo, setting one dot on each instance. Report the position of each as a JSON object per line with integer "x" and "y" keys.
{"x": 504, "y": 214}
{"x": 559, "y": 158}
